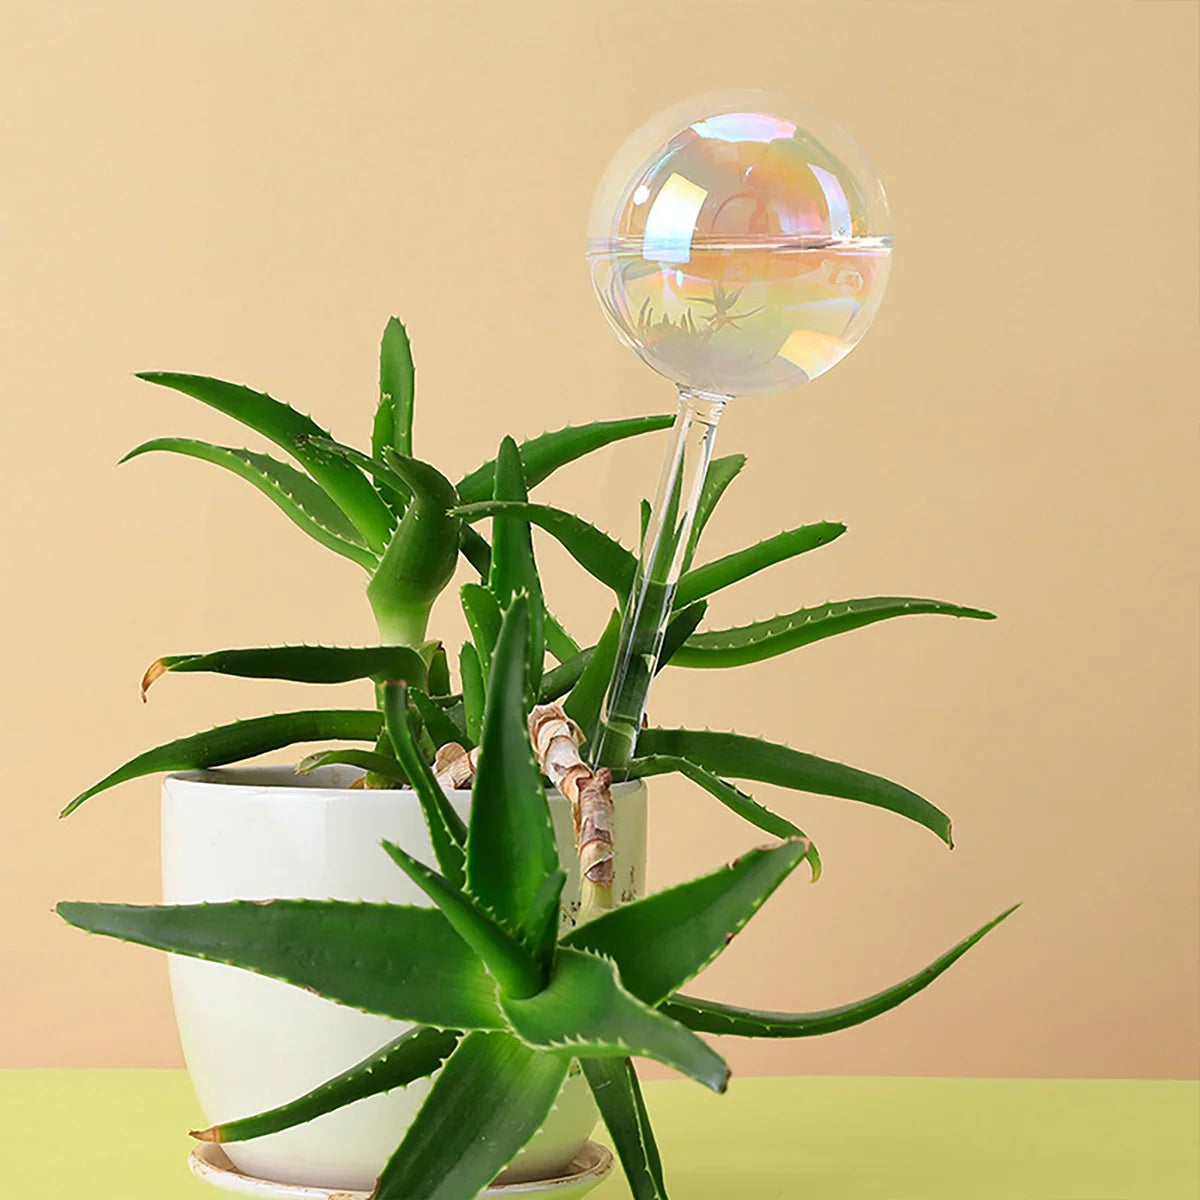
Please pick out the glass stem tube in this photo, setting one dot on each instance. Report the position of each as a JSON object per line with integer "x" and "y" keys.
{"x": 664, "y": 548}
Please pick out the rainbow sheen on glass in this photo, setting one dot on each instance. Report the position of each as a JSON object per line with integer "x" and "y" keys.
{"x": 740, "y": 244}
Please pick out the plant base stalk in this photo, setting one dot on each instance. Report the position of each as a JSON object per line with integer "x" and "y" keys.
{"x": 556, "y": 741}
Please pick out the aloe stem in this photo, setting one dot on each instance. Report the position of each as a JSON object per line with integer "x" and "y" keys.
{"x": 556, "y": 739}
{"x": 664, "y": 548}
{"x": 401, "y": 624}
{"x": 595, "y": 845}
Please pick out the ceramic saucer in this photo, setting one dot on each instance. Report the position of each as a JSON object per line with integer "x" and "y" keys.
{"x": 210, "y": 1163}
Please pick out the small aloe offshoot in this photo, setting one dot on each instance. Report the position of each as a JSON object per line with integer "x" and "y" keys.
{"x": 502, "y": 1001}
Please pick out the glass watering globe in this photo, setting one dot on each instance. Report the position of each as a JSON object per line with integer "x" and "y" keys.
{"x": 739, "y": 244}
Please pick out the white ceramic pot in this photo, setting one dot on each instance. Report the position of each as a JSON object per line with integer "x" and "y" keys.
{"x": 253, "y": 1043}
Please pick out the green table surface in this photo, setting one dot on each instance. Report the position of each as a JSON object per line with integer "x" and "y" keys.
{"x": 121, "y": 1135}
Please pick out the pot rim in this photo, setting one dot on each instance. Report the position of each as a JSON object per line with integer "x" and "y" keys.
{"x": 269, "y": 778}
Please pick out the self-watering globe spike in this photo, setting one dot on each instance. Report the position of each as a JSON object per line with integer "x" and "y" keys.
{"x": 739, "y": 244}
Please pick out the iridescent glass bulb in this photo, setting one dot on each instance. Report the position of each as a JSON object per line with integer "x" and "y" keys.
{"x": 740, "y": 243}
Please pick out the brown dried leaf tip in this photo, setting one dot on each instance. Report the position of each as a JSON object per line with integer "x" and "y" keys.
{"x": 157, "y": 668}
{"x": 211, "y": 1134}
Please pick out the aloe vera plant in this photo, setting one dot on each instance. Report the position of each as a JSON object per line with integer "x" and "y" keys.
{"x": 502, "y": 1002}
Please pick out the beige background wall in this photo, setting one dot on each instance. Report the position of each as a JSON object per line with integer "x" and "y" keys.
{"x": 249, "y": 189}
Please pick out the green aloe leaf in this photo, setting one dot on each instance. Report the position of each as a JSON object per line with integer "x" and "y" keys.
{"x": 288, "y": 429}
{"x": 680, "y": 627}
{"x": 394, "y": 414}
{"x": 663, "y": 940}
{"x": 476, "y": 549}
{"x": 510, "y": 844}
{"x": 440, "y": 725}
{"x": 713, "y": 576}
{"x": 394, "y": 776}
{"x": 478, "y": 553}
{"x": 395, "y": 492}
{"x": 514, "y": 967}
{"x": 732, "y": 754}
{"x": 514, "y": 570}
{"x": 482, "y": 612}
{"x": 420, "y": 558}
{"x": 561, "y": 679}
{"x": 302, "y": 664}
{"x": 389, "y": 959}
{"x": 600, "y": 555}
{"x": 710, "y": 1017}
{"x": 584, "y": 1011}
{"x": 473, "y": 690}
{"x": 732, "y": 797}
{"x": 447, "y": 833}
{"x": 645, "y": 512}
{"x": 242, "y": 739}
{"x": 586, "y": 700}
{"x": 558, "y": 641}
{"x": 427, "y": 483}
{"x": 721, "y": 473}
{"x": 614, "y": 1084}
{"x": 413, "y": 1055}
{"x": 304, "y": 502}
{"x": 492, "y": 1096}
{"x": 546, "y": 909}
{"x": 543, "y": 455}
{"x": 765, "y": 639}
{"x": 439, "y": 673}
{"x": 369, "y": 760}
